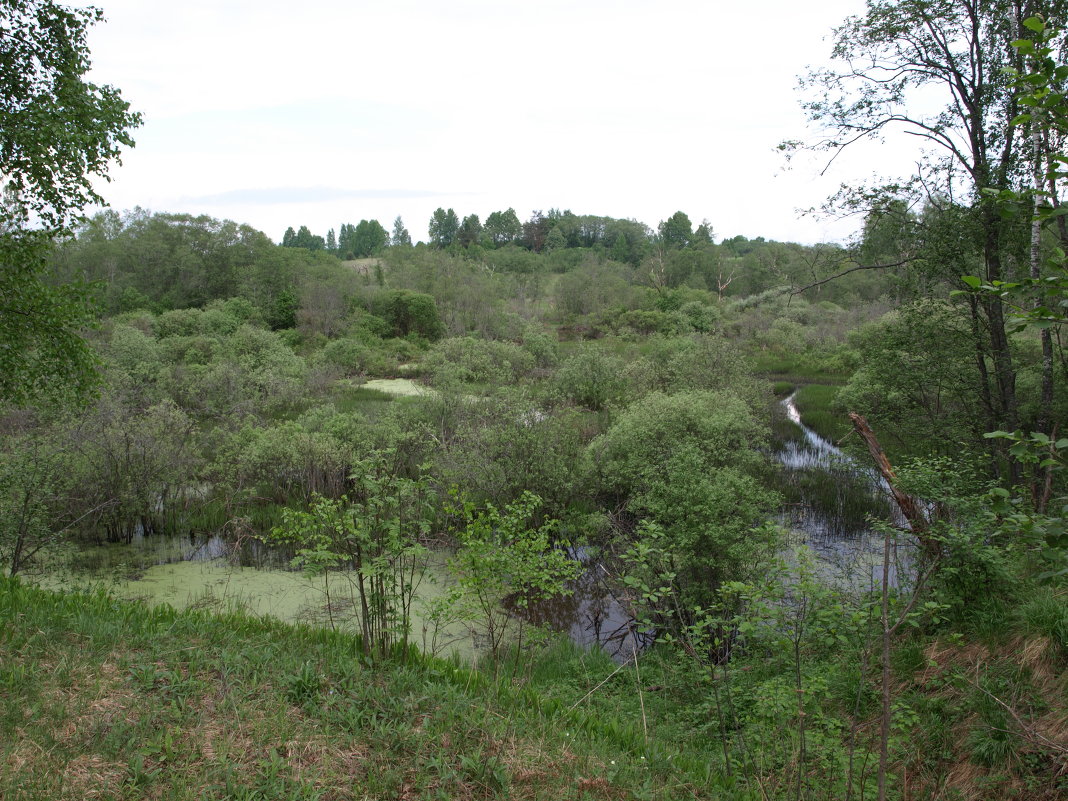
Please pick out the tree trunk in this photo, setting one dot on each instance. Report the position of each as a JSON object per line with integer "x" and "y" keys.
{"x": 1045, "y": 408}
{"x": 906, "y": 503}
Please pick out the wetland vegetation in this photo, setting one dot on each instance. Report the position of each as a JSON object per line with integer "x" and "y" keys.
{"x": 567, "y": 507}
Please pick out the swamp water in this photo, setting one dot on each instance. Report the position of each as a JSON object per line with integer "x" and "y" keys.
{"x": 829, "y": 499}
{"x": 207, "y": 572}
{"x": 830, "y": 503}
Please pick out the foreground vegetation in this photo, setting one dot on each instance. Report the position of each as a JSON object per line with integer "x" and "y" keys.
{"x": 574, "y": 385}
{"x": 107, "y": 699}
{"x": 103, "y": 699}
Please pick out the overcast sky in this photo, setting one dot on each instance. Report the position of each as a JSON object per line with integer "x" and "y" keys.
{"x": 319, "y": 112}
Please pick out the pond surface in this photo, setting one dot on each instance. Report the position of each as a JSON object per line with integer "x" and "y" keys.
{"x": 835, "y": 500}
{"x": 209, "y": 572}
{"x": 404, "y": 387}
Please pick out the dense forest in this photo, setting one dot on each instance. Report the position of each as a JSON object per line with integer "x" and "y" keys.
{"x": 530, "y": 415}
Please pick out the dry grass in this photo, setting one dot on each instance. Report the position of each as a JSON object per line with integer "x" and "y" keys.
{"x": 362, "y": 266}
{"x": 89, "y": 776}
{"x": 1039, "y": 655}
{"x": 964, "y": 781}
{"x": 953, "y": 673}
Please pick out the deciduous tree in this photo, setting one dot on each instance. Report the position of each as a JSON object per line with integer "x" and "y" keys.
{"x": 939, "y": 70}
{"x": 400, "y": 237}
{"x": 444, "y": 225}
{"x": 502, "y": 228}
{"x": 676, "y": 231}
{"x": 57, "y": 133}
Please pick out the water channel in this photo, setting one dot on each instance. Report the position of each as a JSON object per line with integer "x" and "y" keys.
{"x": 834, "y": 499}
{"x": 830, "y": 498}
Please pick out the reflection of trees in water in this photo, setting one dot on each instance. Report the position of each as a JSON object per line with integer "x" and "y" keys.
{"x": 240, "y": 550}
{"x": 593, "y": 614}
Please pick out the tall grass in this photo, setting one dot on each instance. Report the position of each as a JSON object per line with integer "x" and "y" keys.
{"x": 107, "y": 699}
{"x": 370, "y": 402}
{"x": 815, "y": 402}
{"x": 795, "y": 368}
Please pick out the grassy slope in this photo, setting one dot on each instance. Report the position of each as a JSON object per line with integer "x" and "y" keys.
{"x": 107, "y": 699}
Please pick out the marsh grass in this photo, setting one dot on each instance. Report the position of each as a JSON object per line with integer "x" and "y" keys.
{"x": 843, "y": 497}
{"x": 782, "y": 388}
{"x": 815, "y": 402}
{"x": 101, "y": 698}
{"x": 797, "y": 369}
{"x": 370, "y": 402}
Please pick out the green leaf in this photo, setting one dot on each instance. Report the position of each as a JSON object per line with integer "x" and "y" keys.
{"x": 1035, "y": 24}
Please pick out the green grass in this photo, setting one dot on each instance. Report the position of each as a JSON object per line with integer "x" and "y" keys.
{"x": 361, "y": 399}
{"x": 1045, "y": 614}
{"x": 814, "y": 402}
{"x": 107, "y": 699}
{"x": 795, "y": 369}
{"x": 782, "y": 388}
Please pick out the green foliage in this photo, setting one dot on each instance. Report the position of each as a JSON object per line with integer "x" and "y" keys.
{"x": 293, "y": 461}
{"x": 304, "y": 239}
{"x": 676, "y": 231}
{"x": 42, "y": 352}
{"x": 500, "y": 555}
{"x": 478, "y": 361}
{"x": 541, "y": 344}
{"x": 719, "y": 426}
{"x": 368, "y": 238}
{"x": 59, "y": 130}
{"x": 508, "y": 444}
{"x": 592, "y": 379}
{"x": 501, "y": 228}
{"x": 592, "y": 288}
{"x": 31, "y": 486}
{"x": 918, "y": 380}
{"x": 412, "y": 313}
{"x": 377, "y": 535}
{"x": 702, "y": 318}
{"x": 688, "y": 463}
{"x": 644, "y": 322}
{"x": 347, "y": 354}
{"x": 167, "y": 261}
{"x": 443, "y": 227}
{"x": 400, "y": 236}
{"x": 108, "y": 472}
{"x": 671, "y": 365}
{"x": 59, "y": 134}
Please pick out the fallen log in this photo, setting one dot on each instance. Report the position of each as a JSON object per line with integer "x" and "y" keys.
{"x": 908, "y": 505}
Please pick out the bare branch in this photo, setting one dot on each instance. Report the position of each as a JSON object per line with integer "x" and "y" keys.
{"x": 836, "y": 276}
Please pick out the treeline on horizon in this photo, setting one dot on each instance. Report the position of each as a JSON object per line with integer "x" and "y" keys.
{"x": 628, "y": 240}
{"x": 160, "y": 261}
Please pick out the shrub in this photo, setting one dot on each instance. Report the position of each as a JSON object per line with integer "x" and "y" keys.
{"x": 478, "y": 360}
{"x": 592, "y": 379}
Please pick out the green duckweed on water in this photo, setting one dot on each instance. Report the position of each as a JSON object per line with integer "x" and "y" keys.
{"x": 130, "y": 572}
{"x": 404, "y": 387}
